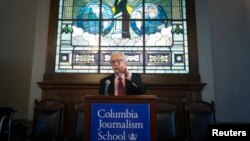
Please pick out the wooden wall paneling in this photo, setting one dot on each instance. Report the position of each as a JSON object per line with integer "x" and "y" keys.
{"x": 71, "y": 93}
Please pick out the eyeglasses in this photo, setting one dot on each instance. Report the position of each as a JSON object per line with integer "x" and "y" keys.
{"x": 118, "y": 61}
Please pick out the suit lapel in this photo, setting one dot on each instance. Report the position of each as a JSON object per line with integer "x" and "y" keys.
{"x": 111, "y": 86}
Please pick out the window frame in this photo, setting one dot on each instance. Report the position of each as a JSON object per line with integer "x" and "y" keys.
{"x": 193, "y": 77}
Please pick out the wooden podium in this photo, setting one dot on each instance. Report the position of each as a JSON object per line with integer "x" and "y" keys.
{"x": 120, "y": 118}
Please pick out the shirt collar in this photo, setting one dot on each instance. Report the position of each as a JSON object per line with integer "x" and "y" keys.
{"x": 121, "y": 75}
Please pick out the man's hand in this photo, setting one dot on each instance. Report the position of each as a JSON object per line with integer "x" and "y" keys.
{"x": 123, "y": 69}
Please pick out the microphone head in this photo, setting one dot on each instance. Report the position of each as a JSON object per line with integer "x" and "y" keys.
{"x": 107, "y": 82}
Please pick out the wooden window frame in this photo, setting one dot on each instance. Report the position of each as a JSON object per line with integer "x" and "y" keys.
{"x": 193, "y": 77}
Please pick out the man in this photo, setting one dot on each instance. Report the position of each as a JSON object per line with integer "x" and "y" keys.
{"x": 122, "y": 78}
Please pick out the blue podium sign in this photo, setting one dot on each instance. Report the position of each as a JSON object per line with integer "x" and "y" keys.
{"x": 120, "y": 122}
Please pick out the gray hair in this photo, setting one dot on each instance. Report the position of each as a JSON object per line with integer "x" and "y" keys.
{"x": 120, "y": 53}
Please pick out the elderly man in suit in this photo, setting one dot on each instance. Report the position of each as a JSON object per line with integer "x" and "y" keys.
{"x": 122, "y": 82}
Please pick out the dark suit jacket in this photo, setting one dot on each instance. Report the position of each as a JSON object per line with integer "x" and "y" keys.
{"x": 133, "y": 87}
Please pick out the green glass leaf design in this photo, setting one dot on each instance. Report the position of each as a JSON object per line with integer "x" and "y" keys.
{"x": 177, "y": 30}
{"x": 67, "y": 29}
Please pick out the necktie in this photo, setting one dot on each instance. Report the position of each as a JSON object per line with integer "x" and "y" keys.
{"x": 121, "y": 89}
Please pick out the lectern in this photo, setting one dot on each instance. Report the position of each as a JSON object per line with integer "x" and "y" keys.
{"x": 127, "y": 118}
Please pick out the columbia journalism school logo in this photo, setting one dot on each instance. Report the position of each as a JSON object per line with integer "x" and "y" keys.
{"x": 132, "y": 137}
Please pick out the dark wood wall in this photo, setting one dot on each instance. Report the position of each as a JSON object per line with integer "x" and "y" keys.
{"x": 71, "y": 93}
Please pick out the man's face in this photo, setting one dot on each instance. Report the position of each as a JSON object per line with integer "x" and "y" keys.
{"x": 116, "y": 62}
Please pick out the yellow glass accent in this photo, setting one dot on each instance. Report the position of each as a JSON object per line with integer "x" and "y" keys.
{"x": 113, "y": 9}
{"x": 129, "y": 9}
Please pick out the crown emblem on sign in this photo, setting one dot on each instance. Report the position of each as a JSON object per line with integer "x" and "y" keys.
{"x": 132, "y": 137}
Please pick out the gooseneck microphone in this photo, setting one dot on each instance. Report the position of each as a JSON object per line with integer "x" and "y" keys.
{"x": 107, "y": 82}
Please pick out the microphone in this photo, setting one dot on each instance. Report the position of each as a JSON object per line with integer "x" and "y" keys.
{"x": 107, "y": 82}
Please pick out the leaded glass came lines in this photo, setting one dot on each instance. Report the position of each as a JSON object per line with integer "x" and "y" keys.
{"x": 152, "y": 34}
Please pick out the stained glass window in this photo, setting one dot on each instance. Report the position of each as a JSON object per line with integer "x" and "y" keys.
{"x": 151, "y": 33}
